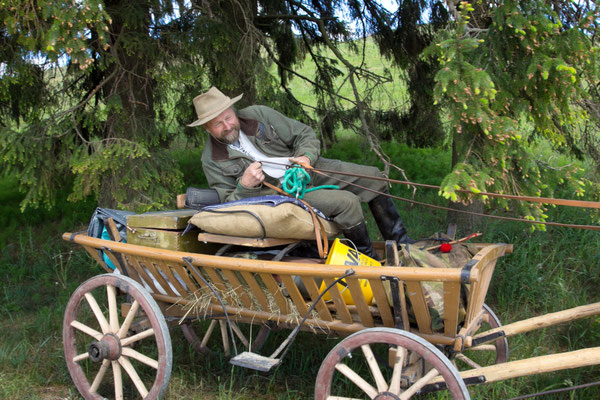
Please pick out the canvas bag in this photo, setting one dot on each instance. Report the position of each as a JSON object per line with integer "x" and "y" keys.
{"x": 258, "y": 217}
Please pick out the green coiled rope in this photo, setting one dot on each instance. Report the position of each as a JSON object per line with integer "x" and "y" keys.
{"x": 295, "y": 180}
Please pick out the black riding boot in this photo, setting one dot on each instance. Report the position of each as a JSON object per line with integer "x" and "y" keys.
{"x": 388, "y": 220}
{"x": 359, "y": 235}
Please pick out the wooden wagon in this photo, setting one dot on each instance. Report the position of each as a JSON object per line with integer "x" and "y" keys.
{"x": 118, "y": 322}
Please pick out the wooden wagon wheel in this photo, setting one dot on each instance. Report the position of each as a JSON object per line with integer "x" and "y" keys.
{"x": 251, "y": 337}
{"x": 486, "y": 354}
{"x": 98, "y": 343}
{"x": 362, "y": 358}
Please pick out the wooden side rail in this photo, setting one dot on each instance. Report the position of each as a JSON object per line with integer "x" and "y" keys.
{"x": 273, "y": 267}
{"x": 266, "y": 288}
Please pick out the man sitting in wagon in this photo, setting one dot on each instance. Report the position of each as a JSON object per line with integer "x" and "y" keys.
{"x": 255, "y": 145}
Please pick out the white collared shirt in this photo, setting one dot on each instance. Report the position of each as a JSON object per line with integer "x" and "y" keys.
{"x": 244, "y": 145}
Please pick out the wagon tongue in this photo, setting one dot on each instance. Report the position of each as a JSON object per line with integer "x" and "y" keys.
{"x": 255, "y": 361}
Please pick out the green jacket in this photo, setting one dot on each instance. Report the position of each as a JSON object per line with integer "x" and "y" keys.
{"x": 272, "y": 133}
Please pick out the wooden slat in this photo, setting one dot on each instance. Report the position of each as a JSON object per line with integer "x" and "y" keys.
{"x": 154, "y": 271}
{"x": 257, "y": 291}
{"x": 359, "y": 301}
{"x": 313, "y": 291}
{"x": 404, "y": 304}
{"x": 197, "y": 277}
{"x": 275, "y": 290}
{"x": 486, "y": 262}
{"x": 238, "y": 287}
{"x": 133, "y": 273}
{"x": 414, "y": 291}
{"x": 294, "y": 293}
{"x": 218, "y": 284}
{"x": 451, "y": 308}
{"x": 139, "y": 268}
{"x": 164, "y": 267}
{"x": 96, "y": 256}
{"x": 341, "y": 308}
{"x": 183, "y": 273}
{"x": 382, "y": 302}
{"x": 115, "y": 260}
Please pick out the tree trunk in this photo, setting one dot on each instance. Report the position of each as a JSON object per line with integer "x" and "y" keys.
{"x": 465, "y": 223}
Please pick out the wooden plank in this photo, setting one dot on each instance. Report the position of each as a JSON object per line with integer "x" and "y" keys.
{"x": 294, "y": 293}
{"x": 275, "y": 290}
{"x": 313, "y": 291}
{"x": 256, "y": 290}
{"x": 359, "y": 301}
{"x": 382, "y": 303}
{"x": 239, "y": 288}
{"x": 451, "y": 308}
{"x": 414, "y": 291}
{"x": 242, "y": 241}
{"x": 341, "y": 309}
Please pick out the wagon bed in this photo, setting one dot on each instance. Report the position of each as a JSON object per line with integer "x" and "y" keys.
{"x": 266, "y": 294}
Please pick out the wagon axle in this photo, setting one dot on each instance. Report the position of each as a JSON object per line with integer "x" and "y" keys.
{"x": 109, "y": 348}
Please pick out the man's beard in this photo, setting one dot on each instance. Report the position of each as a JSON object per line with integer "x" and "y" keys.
{"x": 231, "y": 136}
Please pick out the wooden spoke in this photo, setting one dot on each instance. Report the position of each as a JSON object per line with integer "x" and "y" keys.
{"x": 136, "y": 355}
{"x": 357, "y": 380}
{"x": 135, "y": 378}
{"x": 397, "y": 372}
{"x": 81, "y": 356}
{"x": 132, "y": 339}
{"x": 98, "y": 313}
{"x": 118, "y": 380}
{"x": 128, "y": 319}
{"x": 86, "y": 329}
{"x": 418, "y": 385}
{"x": 374, "y": 367}
{"x": 99, "y": 376}
{"x": 113, "y": 314}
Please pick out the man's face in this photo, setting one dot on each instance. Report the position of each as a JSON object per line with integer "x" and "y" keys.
{"x": 224, "y": 127}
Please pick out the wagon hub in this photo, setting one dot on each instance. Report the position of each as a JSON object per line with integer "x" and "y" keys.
{"x": 386, "y": 396}
{"x": 109, "y": 347}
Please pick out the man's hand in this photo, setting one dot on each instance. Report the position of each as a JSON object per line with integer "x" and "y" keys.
{"x": 302, "y": 160}
{"x": 253, "y": 175}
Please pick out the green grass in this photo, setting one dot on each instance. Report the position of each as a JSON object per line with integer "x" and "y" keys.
{"x": 548, "y": 271}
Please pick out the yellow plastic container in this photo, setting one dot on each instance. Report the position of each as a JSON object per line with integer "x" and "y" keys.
{"x": 340, "y": 254}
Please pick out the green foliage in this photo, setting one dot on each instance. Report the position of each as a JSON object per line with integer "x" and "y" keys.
{"x": 517, "y": 80}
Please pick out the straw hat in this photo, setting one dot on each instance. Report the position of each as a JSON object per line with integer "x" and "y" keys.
{"x": 210, "y": 104}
